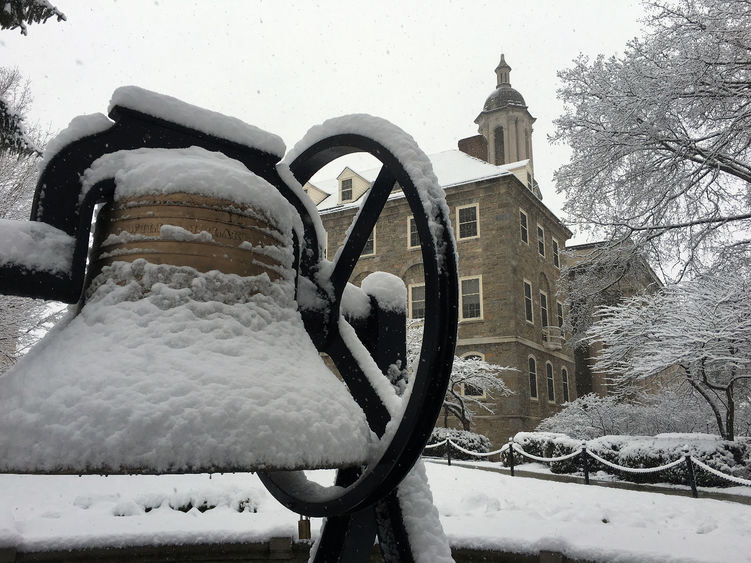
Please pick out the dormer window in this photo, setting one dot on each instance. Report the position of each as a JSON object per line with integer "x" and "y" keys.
{"x": 346, "y": 190}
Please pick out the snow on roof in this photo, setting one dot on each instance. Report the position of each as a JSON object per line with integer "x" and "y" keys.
{"x": 452, "y": 167}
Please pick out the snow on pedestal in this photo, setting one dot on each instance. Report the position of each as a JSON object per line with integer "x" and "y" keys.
{"x": 167, "y": 369}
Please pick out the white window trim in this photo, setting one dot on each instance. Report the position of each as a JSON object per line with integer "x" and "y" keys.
{"x": 552, "y": 378}
{"x": 567, "y": 389}
{"x": 537, "y": 239}
{"x": 520, "y": 226}
{"x": 375, "y": 249}
{"x": 537, "y": 379}
{"x": 410, "y": 220}
{"x": 352, "y": 190}
{"x": 461, "y": 391}
{"x": 477, "y": 220}
{"x": 409, "y": 298}
{"x": 556, "y": 253}
{"x": 547, "y": 309}
{"x": 524, "y": 302}
{"x": 461, "y": 300}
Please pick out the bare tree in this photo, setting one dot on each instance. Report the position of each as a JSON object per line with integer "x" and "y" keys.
{"x": 698, "y": 331}
{"x": 473, "y": 385}
{"x": 661, "y": 141}
{"x": 20, "y": 319}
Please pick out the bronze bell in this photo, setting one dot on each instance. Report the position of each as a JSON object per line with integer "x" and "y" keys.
{"x": 189, "y": 335}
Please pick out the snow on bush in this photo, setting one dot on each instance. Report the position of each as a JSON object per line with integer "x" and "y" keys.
{"x": 467, "y": 440}
{"x": 731, "y": 458}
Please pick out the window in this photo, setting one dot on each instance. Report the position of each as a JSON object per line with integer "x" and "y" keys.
{"x": 564, "y": 380}
{"x": 544, "y": 309}
{"x": 540, "y": 240}
{"x": 467, "y": 389}
{"x": 413, "y": 238}
{"x": 528, "y": 312}
{"x": 532, "y": 378}
{"x": 525, "y": 229}
{"x": 556, "y": 256}
{"x": 466, "y": 218}
{"x": 471, "y": 297}
{"x": 559, "y": 307}
{"x": 417, "y": 301}
{"x": 347, "y": 190}
{"x": 551, "y": 385}
{"x": 370, "y": 245}
{"x": 498, "y": 142}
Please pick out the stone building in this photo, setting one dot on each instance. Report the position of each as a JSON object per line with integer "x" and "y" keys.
{"x": 509, "y": 245}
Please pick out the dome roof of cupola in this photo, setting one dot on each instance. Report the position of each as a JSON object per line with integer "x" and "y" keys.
{"x": 502, "y": 97}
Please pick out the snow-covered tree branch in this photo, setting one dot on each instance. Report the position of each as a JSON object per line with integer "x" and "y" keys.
{"x": 473, "y": 383}
{"x": 18, "y": 13}
{"x": 698, "y": 331}
{"x": 661, "y": 139}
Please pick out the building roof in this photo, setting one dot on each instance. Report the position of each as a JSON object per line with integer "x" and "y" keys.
{"x": 452, "y": 168}
{"x": 502, "y": 97}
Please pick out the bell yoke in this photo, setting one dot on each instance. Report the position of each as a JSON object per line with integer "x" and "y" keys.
{"x": 207, "y": 275}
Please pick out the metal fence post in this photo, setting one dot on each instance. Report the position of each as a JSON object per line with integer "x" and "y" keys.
{"x": 690, "y": 472}
{"x": 511, "y": 455}
{"x": 585, "y": 463}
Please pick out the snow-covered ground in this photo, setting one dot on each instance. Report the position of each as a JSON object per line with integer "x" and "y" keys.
{"x": 478, "y": 509}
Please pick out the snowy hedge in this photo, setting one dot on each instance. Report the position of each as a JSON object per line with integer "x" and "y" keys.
{"x": 731, "y": 458}
{"x": 467, "y": 440}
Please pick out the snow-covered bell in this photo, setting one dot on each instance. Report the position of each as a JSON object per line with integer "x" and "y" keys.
{"x": 189, "y": 353}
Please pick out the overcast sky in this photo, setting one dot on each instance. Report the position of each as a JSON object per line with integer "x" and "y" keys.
{"x": 427, "y": 66}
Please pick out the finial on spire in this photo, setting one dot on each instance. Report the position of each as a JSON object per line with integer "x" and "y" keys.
{"x": 503, "y": 71}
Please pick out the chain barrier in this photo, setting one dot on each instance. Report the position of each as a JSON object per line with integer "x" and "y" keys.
{"x": 713, "y": 471}
{"x": 636, "y": 469}
{"x": 688, "y": 460}
{"x": 518, "y": 449}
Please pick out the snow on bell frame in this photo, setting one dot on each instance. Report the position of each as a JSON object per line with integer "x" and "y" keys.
{"x": 195, "y": 341}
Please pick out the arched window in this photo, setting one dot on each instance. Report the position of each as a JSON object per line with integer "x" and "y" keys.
{"x": 532, "y": 378}
{"x": 551, "y": 385}
{"x": 564, "y": 379}
{"x": 499, "y": 146}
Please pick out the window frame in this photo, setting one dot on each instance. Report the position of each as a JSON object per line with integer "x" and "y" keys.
{"x": 410, "y": 222}
{"x": 529, "y": 316}
{"x": 532, "y": 375}
{"x": 550, "y": 381}
{"x": 564, "y": 381}
{"x": 410, "y": 300}
{"x": 462, "y": 392}
{"x": 458, "y": 231}
{"x": 544, "y": 310}
{"x": 461, "y": 298}
{"x": 351, "y": 190}
{"x": 372, "y": 234}
{"x": 524, "y": 227}
{"x": 559, "y": 314}
{"x": 556, "y": 253}
{"x": 541, "y": 240}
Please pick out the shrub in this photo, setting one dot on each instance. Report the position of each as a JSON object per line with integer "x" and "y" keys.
{"x": 732, "y": 458}
{"x": 467, "y": 440}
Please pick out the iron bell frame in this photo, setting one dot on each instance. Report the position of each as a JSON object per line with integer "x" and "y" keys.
{"x": 368, "y": 503}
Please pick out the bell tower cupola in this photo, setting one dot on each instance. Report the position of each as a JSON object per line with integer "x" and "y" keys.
{"x": 505, "y": 123}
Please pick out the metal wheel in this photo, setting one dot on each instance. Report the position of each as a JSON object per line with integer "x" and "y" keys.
{"x": 431, "y": 379}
